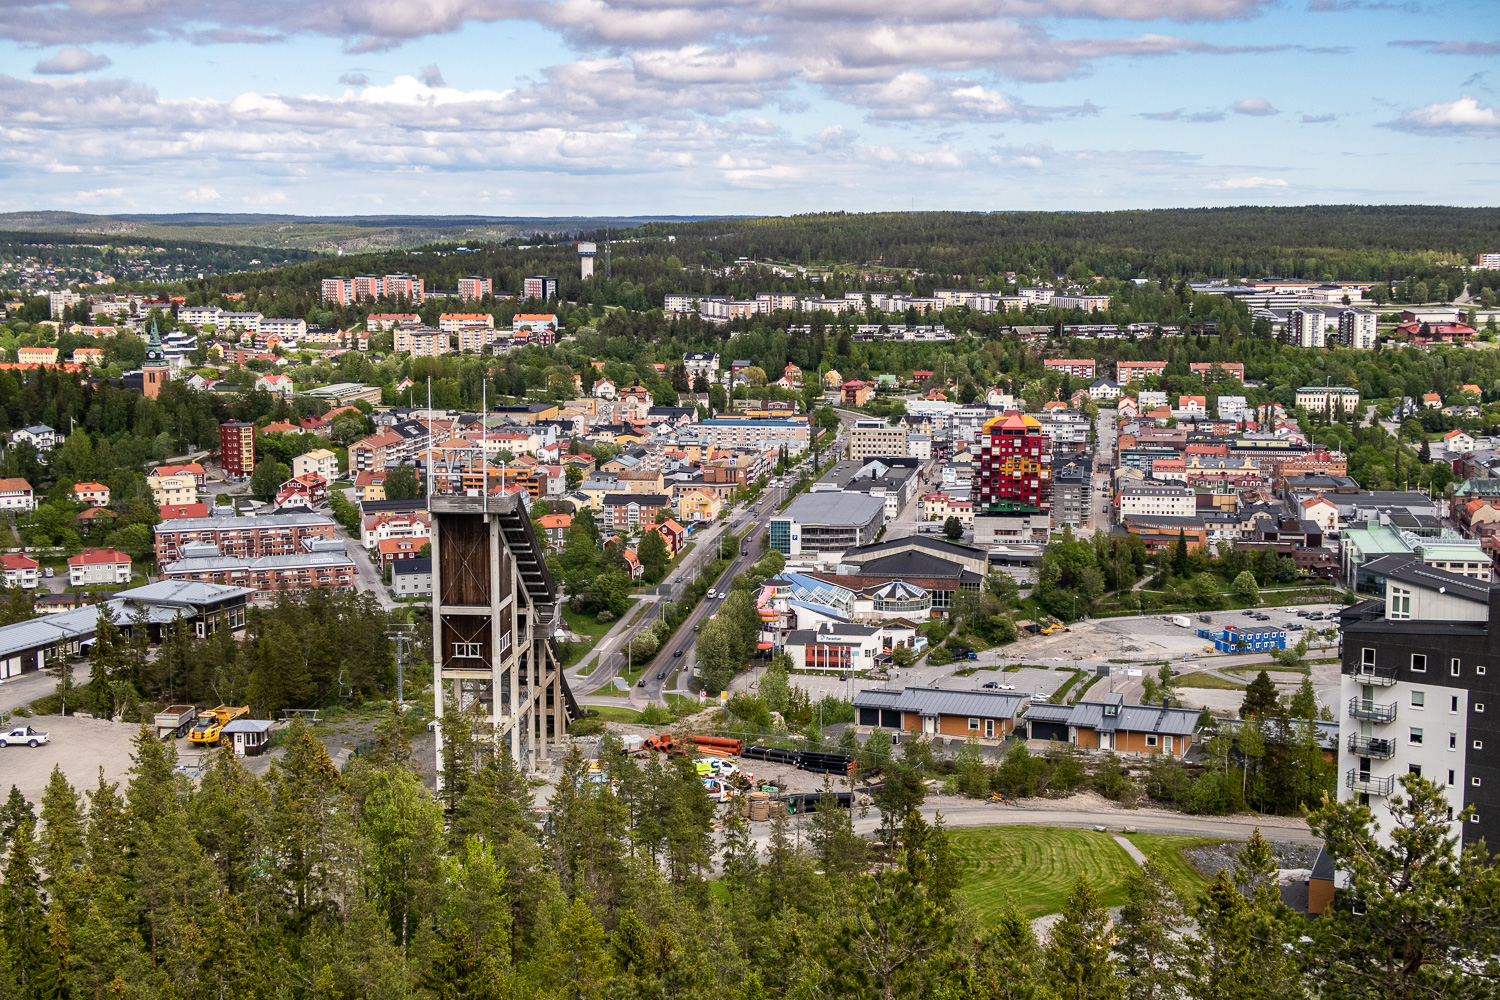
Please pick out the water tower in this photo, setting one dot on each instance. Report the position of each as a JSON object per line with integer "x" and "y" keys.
{"x": 586, "y": 252}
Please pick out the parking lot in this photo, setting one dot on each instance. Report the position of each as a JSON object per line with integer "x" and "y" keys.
{"x": 80, "y": 747}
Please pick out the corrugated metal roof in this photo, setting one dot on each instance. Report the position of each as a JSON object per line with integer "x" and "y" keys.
{"x": 942, "y": 701}
{"x": 1043, "y": 712}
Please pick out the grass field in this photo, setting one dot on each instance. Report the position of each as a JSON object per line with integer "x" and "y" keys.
{"x": 1034, "y": 867}
{"x": 615, "y": 713}
{"x": 1204, "y": 680}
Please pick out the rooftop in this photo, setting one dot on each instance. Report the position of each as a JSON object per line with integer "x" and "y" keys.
{"x": 843, "y": 509}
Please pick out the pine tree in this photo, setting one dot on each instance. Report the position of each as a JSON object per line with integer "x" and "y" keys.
{"x": 106, "y": 664}
{"x": 62, "y": 830}
{"x": 1149, "y": 939}
{"x": 1078, "y": 954}
{"x": 23, "y": 921}
{"x": 1261, "y": 700}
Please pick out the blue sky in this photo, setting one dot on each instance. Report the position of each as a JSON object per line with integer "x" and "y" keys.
{"x": 573, "y": 107}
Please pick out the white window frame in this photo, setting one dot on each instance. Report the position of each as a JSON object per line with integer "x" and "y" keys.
{"x": 1454, "y": 667}
{"x": 1475, "y": 782}
{"x": 467, "y": 651}
{"x": 1414, "y": 736}
{"x": 1479, "y": 744}
{"x": 1151, "y": 740}
{"x": 973, "y": 725}
{"x": 1418, "y": 698}
{"x": 1367, "y": 657}
{"x": 1422, "y": 657}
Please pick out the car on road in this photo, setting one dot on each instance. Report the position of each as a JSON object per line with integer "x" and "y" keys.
{"x": 24, "y": 734}
{"x": 642, "y": 682}
{"x": 661, "y": 675}
{"x": 676, "y": 654}
{"x": 710, "y": 595}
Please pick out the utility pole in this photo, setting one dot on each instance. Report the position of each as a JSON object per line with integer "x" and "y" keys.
{"x": 402, "y": 636}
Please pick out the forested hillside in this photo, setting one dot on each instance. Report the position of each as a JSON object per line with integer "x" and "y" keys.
{"x": 313, "y": 884}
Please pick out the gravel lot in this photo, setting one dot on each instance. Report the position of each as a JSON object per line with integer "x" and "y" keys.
{"x": 79, "y": 746}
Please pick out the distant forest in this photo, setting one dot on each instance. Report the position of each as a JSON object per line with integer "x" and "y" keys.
{"x": 1321, "y": 242}
{"x": 917, "y": 252}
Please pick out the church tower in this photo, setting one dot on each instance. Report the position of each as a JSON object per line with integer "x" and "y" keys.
{"x": 154, "y": 370}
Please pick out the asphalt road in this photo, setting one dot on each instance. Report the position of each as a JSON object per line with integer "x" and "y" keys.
{"x": 685, "y": 638}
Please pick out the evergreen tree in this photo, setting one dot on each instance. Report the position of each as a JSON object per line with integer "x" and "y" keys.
{"x": 654, "y": 556}
{"x": 1261, "y": 700}
{"x": 23, "y": 919}
{"x": 1148, "y": 943}
{"x": 62, "y": 830}
{"x": 1078, "y": 953}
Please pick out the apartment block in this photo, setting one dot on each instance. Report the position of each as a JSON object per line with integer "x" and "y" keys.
{"x": 1217, "y": 371}
{"x": 475, "y": 288}
{"x": 237, "y": 448}
{"x": 1305, "y": 328}
{"x": 540, "y": 288}
{"x": 1015, "y": 463}
{"x": 1076, "y": 367}
{"x": 1417, "y": 697}
{"x": 244, "y": 537}
{"x": 422, "y": 342}
{"x": 1357, "y": 329}
{"x": 1126, "y": 371}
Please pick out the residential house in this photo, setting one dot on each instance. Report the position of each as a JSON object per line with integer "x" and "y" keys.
{"x": 984, "y": 715}
{"x": 94, "y": 567}
{"x": 175, "y": 489}
{"x": 275, "y": 384}
{"x": 1110, "y": 724}
{"x": 555, "y": 528}
{"x": 370, "y": 485}
{"x": 385, "y": 525}
{"x": 20, "y": 570}
{"x": 412, "y": 577}
{"x": 672, "y": 533}
{"x": 698, "y": 505}
{"x": 39, "y": 436}
{"x": 193, "y": 469}
{"x": 396, "y": 549}
{"x": 93, "y": 494}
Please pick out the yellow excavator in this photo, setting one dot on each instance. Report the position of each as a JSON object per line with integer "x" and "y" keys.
{"x": 211, "y": 722}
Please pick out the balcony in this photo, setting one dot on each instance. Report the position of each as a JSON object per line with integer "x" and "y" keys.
{"x": 1366, "y": 746}
{"x": 1379, "y": 676}
{"x": 1370, "y": 784}
{"x": 1372, "y": 711}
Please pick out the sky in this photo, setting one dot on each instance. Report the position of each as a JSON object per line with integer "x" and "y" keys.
{"x": 704, "y": 107}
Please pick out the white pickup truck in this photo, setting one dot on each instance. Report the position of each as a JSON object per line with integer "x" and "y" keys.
{"x": 23, "y": 734}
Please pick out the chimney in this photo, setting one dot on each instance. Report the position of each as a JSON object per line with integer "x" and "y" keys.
{"x": 1166, "y": 702}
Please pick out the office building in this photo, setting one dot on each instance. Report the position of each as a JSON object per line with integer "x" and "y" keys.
{"x": 827, "y": 522}
{"x": 877, "y": 439}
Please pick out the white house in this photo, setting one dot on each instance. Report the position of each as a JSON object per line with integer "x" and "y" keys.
{"x": 19, "y": 570}
{"x": 15, "y": 494}
{"x": 604, "y": 389}
{"x": 701, "y": 363}
{"x": 39, "y": 436}
{"x": 98, "y": 566}
{"x": 276, "y": 384}
{"x": 1458, "y": 442}
{"x": 1104, "y": 389}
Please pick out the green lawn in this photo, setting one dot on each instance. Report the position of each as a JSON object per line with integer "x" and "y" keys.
{"x": 585, "y": 624}
{"x": 1168, "y": 849}
{"x": 1034, "y": 867}
{"x": 615, "y": 713}
{"x": 1205, "y": 680}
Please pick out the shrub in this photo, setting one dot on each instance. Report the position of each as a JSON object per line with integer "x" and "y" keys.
{"x": 590, "y": 725}
{"x": 604, "y": 617}
{"x": 655, "y": 715}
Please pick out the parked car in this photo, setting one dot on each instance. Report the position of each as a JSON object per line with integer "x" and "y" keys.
{"x": 24, "y": 734}
{"x": 990, "y": 684}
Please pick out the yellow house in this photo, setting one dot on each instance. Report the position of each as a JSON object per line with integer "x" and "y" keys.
{"x": 698, "y": 505}
{"x": 179, "y": 489}
{"x": 832, "y": 379}
{"x": 370, "y": 485}
{"x": 640, "y": 482}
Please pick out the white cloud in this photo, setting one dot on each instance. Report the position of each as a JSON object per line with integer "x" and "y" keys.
{"x": 95, "y": 196}
{"x": 199, "y": 195}
{"x": 354, "y": 79}
{"x": 431, "y": 76}
{"x": 1463, "y": 116}
{"x": 1248, "y": 183}
{"x": 71, "y": 60}
{"x": 1258, "y": 107}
